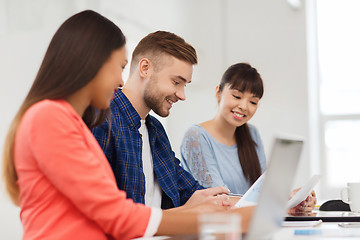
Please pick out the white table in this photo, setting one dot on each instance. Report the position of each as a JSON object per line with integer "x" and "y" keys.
{"x": 328, "y": 231}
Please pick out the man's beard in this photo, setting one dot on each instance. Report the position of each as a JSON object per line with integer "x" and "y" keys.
{"x": 154, "y": 100}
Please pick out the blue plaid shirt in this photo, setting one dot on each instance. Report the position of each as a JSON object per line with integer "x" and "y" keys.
{"x": 123, "y": 149}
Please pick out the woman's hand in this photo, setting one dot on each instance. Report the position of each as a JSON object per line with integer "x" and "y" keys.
{"x": 305, "y": 206}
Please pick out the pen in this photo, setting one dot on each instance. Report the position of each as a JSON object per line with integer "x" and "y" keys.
{"x": 234, "y": 195}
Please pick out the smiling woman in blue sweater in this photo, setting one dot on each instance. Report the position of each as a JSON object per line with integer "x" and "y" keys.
{"x": 226, "y": 150}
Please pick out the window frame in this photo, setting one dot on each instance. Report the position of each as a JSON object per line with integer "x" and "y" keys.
{"x": 317, "y": 119}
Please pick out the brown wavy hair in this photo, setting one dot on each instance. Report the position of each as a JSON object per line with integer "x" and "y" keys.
{"x": 77, "y": 51}
{"x": 244, "y": 77}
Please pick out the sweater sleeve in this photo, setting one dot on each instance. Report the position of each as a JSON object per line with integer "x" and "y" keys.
{"x": 199, "y": 159}
{"x": 77, "y": 169}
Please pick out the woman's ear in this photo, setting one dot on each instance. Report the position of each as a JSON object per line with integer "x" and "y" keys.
{"x": 217, "y": 93}
{"x": 144, "y": 67}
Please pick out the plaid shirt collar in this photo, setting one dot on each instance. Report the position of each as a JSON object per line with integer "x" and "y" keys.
{"x": 131, "y": 115}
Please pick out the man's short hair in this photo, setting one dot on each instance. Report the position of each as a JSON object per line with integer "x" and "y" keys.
{"x": 160, "y": 43}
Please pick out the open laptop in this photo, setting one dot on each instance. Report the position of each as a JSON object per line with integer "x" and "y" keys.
{"x": 274, "y": 194}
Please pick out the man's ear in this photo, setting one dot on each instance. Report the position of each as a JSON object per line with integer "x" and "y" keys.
{"x": 217, "y": 93}
{"x": 144, "y": 67}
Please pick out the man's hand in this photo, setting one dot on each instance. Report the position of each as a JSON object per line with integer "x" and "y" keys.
{"x": 217, "y": 196}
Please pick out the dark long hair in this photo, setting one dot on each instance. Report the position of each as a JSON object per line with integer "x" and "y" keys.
{"x": 77, "y": 51}
{"x": 244, "y": 77}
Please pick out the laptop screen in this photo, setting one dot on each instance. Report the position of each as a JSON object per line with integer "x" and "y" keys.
{"x": 276, "y": 188}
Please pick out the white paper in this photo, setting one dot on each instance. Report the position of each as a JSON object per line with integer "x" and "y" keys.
{"x": 302, "y": 194}
{"x": 251, "y": 197}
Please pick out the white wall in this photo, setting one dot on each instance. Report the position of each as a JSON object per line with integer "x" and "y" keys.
{"x": 268, "y": 34}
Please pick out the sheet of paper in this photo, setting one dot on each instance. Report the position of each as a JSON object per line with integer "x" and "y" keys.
{"x": 250, "y": 198}
{"x": 302, "y": 194}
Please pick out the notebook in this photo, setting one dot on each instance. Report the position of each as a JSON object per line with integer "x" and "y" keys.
{"x": 276, "y": 187}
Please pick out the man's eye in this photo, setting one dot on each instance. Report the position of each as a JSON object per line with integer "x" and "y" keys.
{"x": 254, "y": 103}
{"x": 237, "y": 97}
{"x": 176, "y": 83}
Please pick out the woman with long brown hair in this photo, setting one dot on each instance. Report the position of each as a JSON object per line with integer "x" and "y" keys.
{"x": 53, "y": 167}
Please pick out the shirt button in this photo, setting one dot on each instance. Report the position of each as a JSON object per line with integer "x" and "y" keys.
{"x": 140, "y": 135}
{"x": 142, "y": 193}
